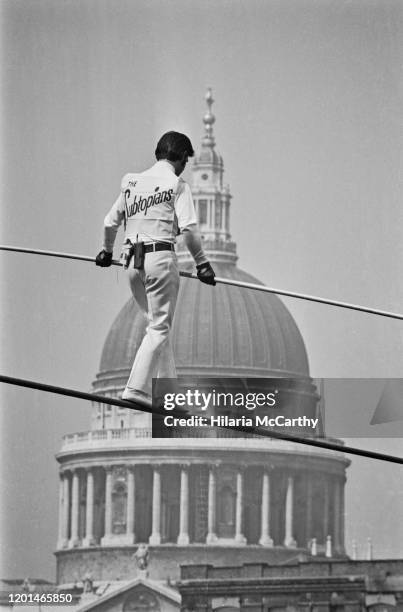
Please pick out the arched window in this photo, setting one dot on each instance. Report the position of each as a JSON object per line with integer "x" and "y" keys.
{"x": 202, "y": 212}
{"x": 218, "y": 214}
{"x": 226, "y": 512}
{"x": 170, "y": 504}
{"x": 119, "y": 503}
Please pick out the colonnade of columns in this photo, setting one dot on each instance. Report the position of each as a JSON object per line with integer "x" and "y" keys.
{"x": 215, "y": 223}
{"x": 69, "y": 508}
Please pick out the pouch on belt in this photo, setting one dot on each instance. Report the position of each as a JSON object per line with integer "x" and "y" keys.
{"x": 133, "y": 251}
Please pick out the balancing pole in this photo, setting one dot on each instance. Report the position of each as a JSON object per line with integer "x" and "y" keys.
{"x": 224, "y": 281}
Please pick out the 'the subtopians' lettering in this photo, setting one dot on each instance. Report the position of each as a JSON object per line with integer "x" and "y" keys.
{"x": 140, "y": 204}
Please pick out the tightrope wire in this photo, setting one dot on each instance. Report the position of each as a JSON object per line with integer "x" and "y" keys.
{"x": 102, "y": 399}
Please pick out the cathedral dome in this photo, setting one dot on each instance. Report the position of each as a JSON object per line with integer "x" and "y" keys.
{"x": 220, "y": 331}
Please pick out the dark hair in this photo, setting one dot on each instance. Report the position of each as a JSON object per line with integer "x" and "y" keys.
{"x": 173, "y": 146}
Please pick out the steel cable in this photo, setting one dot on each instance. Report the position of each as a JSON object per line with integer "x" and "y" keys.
{"x": 323, "y": 444}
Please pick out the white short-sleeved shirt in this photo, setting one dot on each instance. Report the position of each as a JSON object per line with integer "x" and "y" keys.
{"x": 153, "y": 204}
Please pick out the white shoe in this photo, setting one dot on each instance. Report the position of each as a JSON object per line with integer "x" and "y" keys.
{"x": 139, "y": 397}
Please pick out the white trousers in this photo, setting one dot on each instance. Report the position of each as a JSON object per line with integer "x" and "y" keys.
{"x": 155, "y": 290}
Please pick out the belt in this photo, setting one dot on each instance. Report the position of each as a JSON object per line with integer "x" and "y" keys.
{"x": 158, "y": 246}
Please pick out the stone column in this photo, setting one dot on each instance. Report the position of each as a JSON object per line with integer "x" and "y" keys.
{"x": 289, "y": 510}
{"x": 336, "y": 515}
{"x": 155, "y": 537}
{"x": 60, "y": 537}
{"x": 89, "y": 539}
{"x": 342, "y": 514}
{"x": 183, "y": 537}
{"x": 131, "y": 502}
{"x": 75, "y": 507}
{"x": 326, "y": 510}
{"x": 66, "y": 509}
{"x": 108, "y": 507}
{"x": 213, "y": 212}
{"x": 239, "y": 537}
{"x": 308, "y": 524}
{"x": 211, "y": 517}
{"x": 265, "y": 539}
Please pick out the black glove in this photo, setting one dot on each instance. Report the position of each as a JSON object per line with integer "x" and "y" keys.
{"x": 103, "y": 259}
{"x": 205, "y": 273}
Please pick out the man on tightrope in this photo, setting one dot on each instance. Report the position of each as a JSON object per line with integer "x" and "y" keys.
{"x": 155, "y": 205}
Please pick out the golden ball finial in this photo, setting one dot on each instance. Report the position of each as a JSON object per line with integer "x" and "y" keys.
{"x": 209, "y": 118}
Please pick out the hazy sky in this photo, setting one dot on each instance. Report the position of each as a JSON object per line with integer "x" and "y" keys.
{"x": 308, "y": 105}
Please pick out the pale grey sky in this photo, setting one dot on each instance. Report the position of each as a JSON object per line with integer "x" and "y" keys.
{"x": 308, "y": 105}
